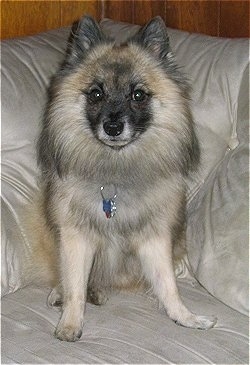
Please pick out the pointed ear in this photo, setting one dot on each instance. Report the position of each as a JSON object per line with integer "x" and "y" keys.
{"x": 154, "y": 37}
{"x": 85, "y": 34}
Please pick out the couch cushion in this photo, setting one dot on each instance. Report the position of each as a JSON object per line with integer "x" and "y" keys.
{"x": 128, "y": 329}
{"x": 27, "y": 65}
{"x": 218, "y": 235}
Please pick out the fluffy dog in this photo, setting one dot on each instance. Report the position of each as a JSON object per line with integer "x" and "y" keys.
{"x": 116, "y": 146}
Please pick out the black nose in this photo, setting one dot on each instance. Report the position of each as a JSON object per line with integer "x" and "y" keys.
{"x": 113, "y": 129}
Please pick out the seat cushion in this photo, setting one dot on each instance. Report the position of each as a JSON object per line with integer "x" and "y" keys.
{"x": 128, "y": 329}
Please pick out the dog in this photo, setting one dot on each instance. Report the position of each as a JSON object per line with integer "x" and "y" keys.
{"x": 116, "y": 146}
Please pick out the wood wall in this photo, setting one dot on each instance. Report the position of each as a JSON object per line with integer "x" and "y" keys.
{"x": 214, "y": 17}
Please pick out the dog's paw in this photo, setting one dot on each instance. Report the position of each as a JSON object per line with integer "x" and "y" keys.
{"x": 55, "y": 299}
{"x": 70, "y": 325}
{"x": 96, "y": 296}
{"x": 198, "y": 322}
{"x": 68, "y": 333}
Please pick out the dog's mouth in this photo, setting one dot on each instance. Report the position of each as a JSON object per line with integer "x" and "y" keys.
{"x": 115, "y": 144}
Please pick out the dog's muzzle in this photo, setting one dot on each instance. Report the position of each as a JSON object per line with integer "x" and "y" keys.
{"x": 115, "y": 133}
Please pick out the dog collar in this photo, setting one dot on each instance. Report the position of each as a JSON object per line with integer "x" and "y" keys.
{"x": 108, "y": 205}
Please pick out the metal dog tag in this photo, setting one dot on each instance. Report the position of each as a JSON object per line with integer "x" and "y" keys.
{"x": 108, "y": 205}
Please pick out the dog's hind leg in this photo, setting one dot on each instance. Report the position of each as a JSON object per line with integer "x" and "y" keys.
{"x": 55, "y": 298}
{"x": 99, "y": 284}
{"x": 96, "y": 296}
{"x": 157, "y": 265}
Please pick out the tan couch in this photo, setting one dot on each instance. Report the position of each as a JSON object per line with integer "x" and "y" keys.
{"x": 130, "y": 328}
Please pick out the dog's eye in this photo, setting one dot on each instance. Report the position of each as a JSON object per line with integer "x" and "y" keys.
{"x": 139, "y": 95}
{"x": 96, "y": 95}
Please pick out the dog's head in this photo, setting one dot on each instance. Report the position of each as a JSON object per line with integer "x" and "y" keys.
{"x": 118, "y": 84}
{"x": 121, "y": 102}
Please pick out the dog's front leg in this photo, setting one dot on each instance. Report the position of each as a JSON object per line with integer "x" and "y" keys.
{"x": 157, "y": 265}
{"x": 76, "y": 257}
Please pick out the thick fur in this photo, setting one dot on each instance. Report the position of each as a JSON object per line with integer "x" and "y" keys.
{"x": 138, "y": 91}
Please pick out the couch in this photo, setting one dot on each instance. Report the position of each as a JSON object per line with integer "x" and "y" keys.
{"x": 130, "y": 327}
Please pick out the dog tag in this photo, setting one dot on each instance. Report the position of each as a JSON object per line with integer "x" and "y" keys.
{"x": 109, "y": 207}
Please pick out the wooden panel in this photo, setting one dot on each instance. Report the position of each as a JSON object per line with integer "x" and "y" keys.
{"x": 144, "y": 10}
{"x": 119, "y": 10}
{"x": 173, "y": 14}
{"x": 193, "y": 16}
{"x": 214, "y": 17}
{"x": 20, "y": 18}
{"x": 73, "y": 10}
{"x": 199, "y": 16}
{"x": 234, "y": 19}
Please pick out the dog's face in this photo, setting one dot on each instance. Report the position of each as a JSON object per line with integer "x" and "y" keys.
{"x": 120, "y": 84}
{"x": 118, "y": 101}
